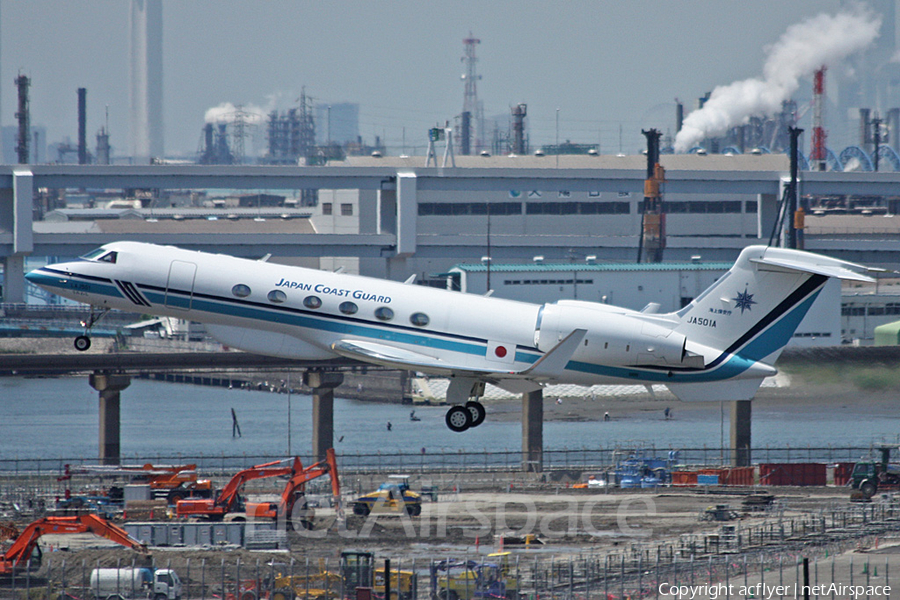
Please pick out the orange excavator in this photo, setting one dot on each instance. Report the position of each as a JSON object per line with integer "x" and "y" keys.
{"x": 172, "y": 482}
{"x": 293, "y": 507}
{"x": 26, "y": 547}
{"x": 229, "y": 500}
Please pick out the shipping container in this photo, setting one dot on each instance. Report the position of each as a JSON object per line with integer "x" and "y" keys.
{"x": 799, "y": 474}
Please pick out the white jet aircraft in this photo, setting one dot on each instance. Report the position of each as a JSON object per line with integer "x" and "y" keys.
{"x": 719, "y": 347}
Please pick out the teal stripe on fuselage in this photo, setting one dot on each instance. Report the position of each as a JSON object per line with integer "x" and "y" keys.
{"x": 320, "y": 323}
{"x": 765, "y": 344}
{"x": 769, "y": 341}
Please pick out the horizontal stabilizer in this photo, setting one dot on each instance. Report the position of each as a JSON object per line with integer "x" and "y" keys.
{"x": 812, "y": 263}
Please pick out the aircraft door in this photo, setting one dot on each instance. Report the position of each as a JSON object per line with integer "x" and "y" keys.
{"x": 180, "y": 286}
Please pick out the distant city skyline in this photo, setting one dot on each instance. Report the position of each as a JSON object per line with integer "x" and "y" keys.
{"x": 595, "y": 68}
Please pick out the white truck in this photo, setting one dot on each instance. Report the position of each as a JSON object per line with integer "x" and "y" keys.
{"x": 132, "y": 582}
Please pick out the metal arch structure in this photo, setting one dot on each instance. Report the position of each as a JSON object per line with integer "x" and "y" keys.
{"x": 858, "y": 153}
{"x": 696, "y": 150}
{"x": 731, "y": 150}
{"x": 832, "y": 163}
{"x": 804, "y": 162}
{"x": 889, "y": 154}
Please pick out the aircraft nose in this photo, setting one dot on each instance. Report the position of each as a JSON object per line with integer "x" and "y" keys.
{"x": 34, "y": 276}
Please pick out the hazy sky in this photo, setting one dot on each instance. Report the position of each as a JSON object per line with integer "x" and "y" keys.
{"x": 603, "y": 64}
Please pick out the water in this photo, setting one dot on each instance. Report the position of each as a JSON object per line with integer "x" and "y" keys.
{"x": 58, "y": 418}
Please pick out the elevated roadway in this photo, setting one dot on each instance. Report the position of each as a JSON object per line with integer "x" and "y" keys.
{"x": 110, "y": 374}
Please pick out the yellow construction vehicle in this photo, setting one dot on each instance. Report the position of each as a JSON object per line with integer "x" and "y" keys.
{"x": 470, "y": 580}
{"x": 357, "y": 569}
{"x": 391, "y": 497}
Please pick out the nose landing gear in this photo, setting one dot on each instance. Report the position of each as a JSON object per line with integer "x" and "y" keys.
{"x": 83, "y": 342}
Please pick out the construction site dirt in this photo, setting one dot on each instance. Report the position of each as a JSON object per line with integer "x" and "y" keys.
{"x": 626, "y": 540}
{"x": 543, "y": 525}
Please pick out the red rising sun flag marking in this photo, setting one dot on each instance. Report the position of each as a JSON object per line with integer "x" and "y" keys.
{"x": 501, "y": 352}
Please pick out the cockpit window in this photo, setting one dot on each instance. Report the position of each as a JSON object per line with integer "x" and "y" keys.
{"x": 109, "y": 257}
{"x": 94, "y": 254}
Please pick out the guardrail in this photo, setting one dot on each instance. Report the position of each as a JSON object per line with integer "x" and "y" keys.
{"x": 452, "y": 461}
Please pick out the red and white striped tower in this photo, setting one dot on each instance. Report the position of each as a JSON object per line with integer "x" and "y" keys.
{"x": 818, "y": 154}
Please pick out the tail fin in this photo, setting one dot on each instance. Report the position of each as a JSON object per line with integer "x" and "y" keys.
{"x": 754, "y": 309}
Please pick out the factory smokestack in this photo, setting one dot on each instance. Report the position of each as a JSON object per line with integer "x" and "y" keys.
{"x": 146, "y": 80}
{"x": 24, "y": 117}
{"x": 82, "y": 126}
{"x": 803, "y": 48}
{"x": 518, "y": 114}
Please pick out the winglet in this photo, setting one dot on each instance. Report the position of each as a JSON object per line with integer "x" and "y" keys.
{"x": 554, "y": 362}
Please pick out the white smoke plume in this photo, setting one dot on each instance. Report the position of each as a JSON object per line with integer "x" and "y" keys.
{"x": 227, "y": 112}
{"x": 803, "y": 48}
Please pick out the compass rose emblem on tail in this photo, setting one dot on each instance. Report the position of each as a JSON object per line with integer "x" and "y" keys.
{"x": 743, "y": 301}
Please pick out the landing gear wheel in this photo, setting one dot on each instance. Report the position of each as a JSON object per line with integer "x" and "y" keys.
{"x": 478, "y": 412}
{"x": 459, "y": 418}
{"x": 82, "y": 343}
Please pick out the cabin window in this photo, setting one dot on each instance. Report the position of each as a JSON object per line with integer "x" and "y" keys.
{"x": 241, "y": 290}
{"x": 276, "y": 296}
{"x": 384, "y": 313}
{"x": 312, "y": 302}
{"x": 109, "y": 258}
{"x": 348, "y": 308}
{"x": 420, "y": 319}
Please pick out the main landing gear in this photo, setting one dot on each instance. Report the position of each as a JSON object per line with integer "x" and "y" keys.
{"x": 83, "y": 342}
{"x": 460, "y": 418}
{"x": 464, "y": 413}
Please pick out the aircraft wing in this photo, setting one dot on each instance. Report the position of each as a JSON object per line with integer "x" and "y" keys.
{"x": 548, "y": 366}
{"x": 387, "y": 355}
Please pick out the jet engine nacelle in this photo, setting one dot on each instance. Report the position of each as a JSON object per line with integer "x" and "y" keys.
{"x": 614, "y": 336}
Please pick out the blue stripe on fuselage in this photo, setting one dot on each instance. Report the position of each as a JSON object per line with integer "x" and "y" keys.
{"x": 767, "y": 342}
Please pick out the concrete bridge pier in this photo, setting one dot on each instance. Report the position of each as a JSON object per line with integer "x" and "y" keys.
{"x": 740, "y": 422}
{"x": 109, "y": 387}
{"x": 322, "y": 384}
{"x": 533, "y": 432}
